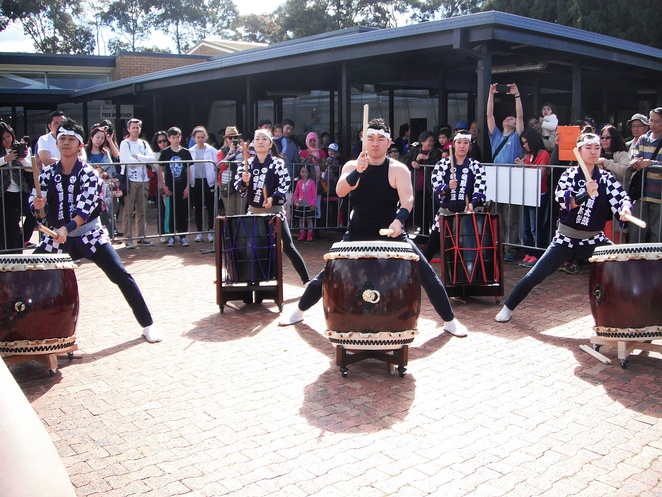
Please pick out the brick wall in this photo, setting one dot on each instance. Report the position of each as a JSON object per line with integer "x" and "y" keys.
{"x": 128, "y": 65}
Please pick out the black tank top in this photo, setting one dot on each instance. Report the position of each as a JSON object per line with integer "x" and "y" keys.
{"x": 374, "y": 204}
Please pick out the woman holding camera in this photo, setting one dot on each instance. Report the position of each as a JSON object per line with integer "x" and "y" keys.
{"x": 14, "y": 189}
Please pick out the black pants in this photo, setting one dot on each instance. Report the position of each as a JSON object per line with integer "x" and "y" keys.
{"x": 109, "y": 262}
{"x": 202, "y": 191}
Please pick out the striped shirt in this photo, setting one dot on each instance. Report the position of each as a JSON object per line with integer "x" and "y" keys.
{"x": 645, "y": 149}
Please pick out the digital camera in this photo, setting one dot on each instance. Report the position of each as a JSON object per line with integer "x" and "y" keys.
{"x": 21, "y": 149}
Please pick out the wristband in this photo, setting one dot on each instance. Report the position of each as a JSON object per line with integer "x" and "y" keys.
{"x": 581, "y": 198}
{"x": 517, "y": 96}
{"x": 402, "y": 215}
{"x": 71, "y": 225}
{"x": 353, "y": 177}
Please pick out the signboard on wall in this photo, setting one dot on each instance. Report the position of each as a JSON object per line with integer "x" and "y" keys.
{"x": 513, "y": 185}
{"x": 108, "y": 112}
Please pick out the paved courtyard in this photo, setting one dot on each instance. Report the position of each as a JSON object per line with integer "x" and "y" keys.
{"x": 232, "y": 404}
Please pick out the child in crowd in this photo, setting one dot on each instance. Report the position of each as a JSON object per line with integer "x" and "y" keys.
{"x": 305, "y": 200}
{"x": 549, "y": 122}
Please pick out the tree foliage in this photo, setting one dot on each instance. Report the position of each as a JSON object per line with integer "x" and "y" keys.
{"x": 55, "y": 26}
{"x": 131, "y": 21}
{"x": 427, "y": 10}
{"x": 635, "y": 21}
{"x": 189, "y": 21}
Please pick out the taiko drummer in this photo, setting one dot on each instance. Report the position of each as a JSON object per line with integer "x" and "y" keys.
{"x": 587, "y": 202}
{"x": 70, "y": 204}
{"x": 381, "y": 196}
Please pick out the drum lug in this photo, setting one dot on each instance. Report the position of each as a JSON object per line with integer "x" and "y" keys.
{"x": 599, "y": 294}
{"x": 22, "y": 307}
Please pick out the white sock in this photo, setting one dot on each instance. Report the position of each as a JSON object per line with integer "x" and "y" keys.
{"x": 504, "y": 315}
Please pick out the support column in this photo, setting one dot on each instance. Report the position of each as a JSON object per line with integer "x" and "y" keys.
{"x": 576, "y": 108}
{"x": 442, "y": 99}
{"x": 344, "y": 116}
{"x": 483, "y": 81}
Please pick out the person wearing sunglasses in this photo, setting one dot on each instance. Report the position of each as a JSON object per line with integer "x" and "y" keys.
{"x": 614, "y": 156}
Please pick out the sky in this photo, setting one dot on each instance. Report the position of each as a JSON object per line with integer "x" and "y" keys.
{"x": 13, "y": 40}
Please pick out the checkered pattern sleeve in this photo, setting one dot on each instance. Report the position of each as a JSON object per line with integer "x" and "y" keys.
{"x": 480, "y": 182}
{"x": 284, "y": 180}
{"x": 45, "y": 178}
{"x": 90, "y": 193}
{"x": 439, "y": 177}
{"x": 618, "y": 198}
{"x": 238, "y": 181}
{"x": 566, "y": 189}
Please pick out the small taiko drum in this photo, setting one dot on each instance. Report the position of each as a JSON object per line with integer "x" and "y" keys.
{"x": 38, "y": 304}
{"x": 371, "y": 287}
{"x": 625, "y": 291}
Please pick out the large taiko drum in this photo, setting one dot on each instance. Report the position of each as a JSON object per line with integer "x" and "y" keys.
{"x": 38, "y": 303}
{"x": 625, "y": 291}
{"x": 371, "y": 287}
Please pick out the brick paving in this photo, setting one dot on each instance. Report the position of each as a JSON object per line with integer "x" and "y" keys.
{"x": 232, "y": 404}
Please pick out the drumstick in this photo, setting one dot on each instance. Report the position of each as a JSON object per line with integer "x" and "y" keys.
{"x": 37, "y": 185}
{"x": 47, "y": 230}
{"x": 583, "y": 166}
{"x": 386, "y": 232}
{"x": 365, "y": 127}
{"x": 635, "y": 220}
{"x": 450, "y": 149}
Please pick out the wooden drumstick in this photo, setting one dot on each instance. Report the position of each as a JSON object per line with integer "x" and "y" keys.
{"x": 635, "y": 220}
{"x": 386, "y": 232}
{"x": 450, "y": 149}
{"x": 47, "y": 230}
{"x": 581, "y": 163}
{"x": 37, "y": 186}
{"x": 365, "y": 127}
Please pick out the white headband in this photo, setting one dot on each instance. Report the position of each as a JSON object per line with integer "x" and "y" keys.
{"x": 68, "y": 132}
{"x": 265, "y": 133}
{"x": 466, "y": 136}
{"x": 372, "y": 131}
{"x": 588, "y": 141}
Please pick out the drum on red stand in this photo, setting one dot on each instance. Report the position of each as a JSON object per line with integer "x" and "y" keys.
{"x": 38, "y": 303}
{"x": 471, "y": 262}
{"x": 625, "y": 291}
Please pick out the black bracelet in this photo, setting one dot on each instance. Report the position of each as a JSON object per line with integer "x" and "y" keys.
{"x": 71, "y": 226}
{"x": 353, "y": 177}
{"x": 516, "y": 96}
{"x": 402, "y": 215}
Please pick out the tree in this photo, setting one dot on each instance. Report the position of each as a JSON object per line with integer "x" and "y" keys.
{"x": 131, "y": 20}
{"x": 189, "y": 21}
{"x": 55, "y": 26}
{"x": 428, "y": 10}
{"x": 258, "y": 29}
{"x": 639, "y": 22}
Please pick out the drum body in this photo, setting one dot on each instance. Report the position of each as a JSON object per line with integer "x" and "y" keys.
{"x": 470, "y": 253}
{"x": 371, "y": 287}
{"x": 625, "y": 291}
{"x": 248, "y": 248}
{"x": 38, "y": 298}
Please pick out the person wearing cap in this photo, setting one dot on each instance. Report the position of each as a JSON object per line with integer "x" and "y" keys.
{"x": 460, "y": 188}
{"x": 228, "y": 158}
{"x": 586, "y": 206}
{"x": 265, "y": 183}
{"x": 647, "y": 153}
{"x": 381, "y": 196}
{"x": 74, "y": 217}
{"x": 638, "y": 123}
